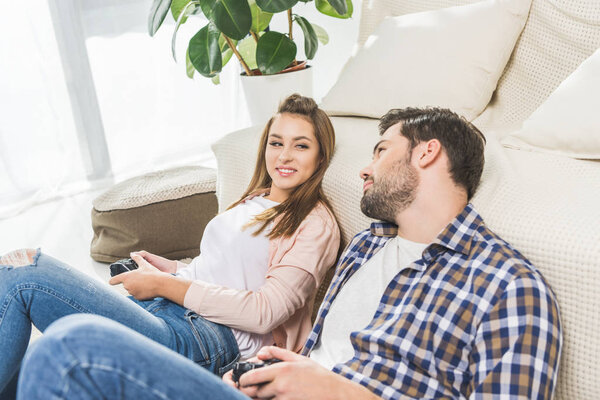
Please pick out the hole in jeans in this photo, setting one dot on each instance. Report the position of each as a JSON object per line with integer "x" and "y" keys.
{"x": 19, "y": 258}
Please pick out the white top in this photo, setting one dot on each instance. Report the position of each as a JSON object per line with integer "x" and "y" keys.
{"x": 355, "y": 305}
{"x": 233, "y": 257}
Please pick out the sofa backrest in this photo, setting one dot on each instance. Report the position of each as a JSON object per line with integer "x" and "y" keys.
{"x": 558, "y": 36}
{"x": 544, "y": 205}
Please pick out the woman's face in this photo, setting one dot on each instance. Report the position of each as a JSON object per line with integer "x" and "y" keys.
{"x": 292, "y": 154}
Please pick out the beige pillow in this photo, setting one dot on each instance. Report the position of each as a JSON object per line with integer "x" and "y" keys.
{"x": 450, "y": 58}
{"x": 568, "y": 122}
{"x": 162, "y": 212}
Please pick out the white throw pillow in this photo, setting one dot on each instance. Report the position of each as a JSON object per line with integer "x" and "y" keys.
{"x": 568, "y": 122}
{"x": 451, "y": 58}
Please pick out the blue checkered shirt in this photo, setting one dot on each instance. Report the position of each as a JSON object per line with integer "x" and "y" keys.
{"x": 471, "y": 319}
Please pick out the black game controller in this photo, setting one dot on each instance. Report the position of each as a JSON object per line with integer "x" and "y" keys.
{"x": 241, "y": 368}
{"x": 124, "y": 265}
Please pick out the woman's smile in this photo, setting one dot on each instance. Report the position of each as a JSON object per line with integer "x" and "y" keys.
{"x": 285, "y": 172}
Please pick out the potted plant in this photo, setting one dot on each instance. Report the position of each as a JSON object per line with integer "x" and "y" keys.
{"x": 241, "y": 29}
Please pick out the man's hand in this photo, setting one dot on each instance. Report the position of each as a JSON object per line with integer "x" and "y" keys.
{"x": 297, "y": 377}
{"x": 143, "y": 282}
{"x": 161, "y": 263}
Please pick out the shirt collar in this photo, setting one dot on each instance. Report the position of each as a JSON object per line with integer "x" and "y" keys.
{"x": 456, "y": 236}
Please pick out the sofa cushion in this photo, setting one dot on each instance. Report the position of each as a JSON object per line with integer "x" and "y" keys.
{"x": 568, "y": 122}
{"x": 449, "y": 58}
{"x": 558, "y": 36}
{"x": 162, "y": 212}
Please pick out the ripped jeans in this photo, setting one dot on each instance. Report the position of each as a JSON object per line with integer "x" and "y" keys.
{"x": 43, "y": 289}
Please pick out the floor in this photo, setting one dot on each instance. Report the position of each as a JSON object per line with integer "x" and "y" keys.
{"x": 61, "y": 228}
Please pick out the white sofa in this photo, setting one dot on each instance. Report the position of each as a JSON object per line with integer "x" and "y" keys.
{"x": 548, "y": 206}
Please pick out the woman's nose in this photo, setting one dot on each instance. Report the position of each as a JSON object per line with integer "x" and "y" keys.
{"x": 285, "y": 155}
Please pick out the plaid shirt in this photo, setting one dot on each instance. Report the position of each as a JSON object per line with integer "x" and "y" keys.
{"x": 471, "y": 318}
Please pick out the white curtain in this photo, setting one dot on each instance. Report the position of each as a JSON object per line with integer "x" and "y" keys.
{"x": 38, "y": 143}
{"x": 151, "y": 111}
{"x": 88, "y": 98}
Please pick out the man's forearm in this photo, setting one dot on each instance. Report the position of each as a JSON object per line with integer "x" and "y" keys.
{"x": 346, "y": 389}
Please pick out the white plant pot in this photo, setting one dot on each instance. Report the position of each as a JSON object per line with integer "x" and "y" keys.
{"x": 263, "y": 93}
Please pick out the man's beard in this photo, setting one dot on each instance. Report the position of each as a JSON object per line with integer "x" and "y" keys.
{"x": 391, "y": 193}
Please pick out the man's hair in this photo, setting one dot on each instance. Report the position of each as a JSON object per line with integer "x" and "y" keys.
{"x": 462, "y": 141}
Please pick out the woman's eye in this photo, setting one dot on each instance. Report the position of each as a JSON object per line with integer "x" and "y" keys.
{"x": 302, "y": 146}
{"x": 275, "y": 144}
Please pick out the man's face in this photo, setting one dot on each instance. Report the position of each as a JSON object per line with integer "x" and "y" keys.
{"x": 390, "y": 180}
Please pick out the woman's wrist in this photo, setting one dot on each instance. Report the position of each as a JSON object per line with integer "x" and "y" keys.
{"x": 173, "y": 266}
{"x": 172, "y": 287}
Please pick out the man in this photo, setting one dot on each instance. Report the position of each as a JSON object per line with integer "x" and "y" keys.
{"x": 430, "y": 304}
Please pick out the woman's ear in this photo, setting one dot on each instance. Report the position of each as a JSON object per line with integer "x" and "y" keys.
{"x": 428, "y": 152}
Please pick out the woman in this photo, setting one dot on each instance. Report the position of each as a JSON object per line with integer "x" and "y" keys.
{"x": 253, "y": 284}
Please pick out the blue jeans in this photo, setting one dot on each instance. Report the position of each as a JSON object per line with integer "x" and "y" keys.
{"x": 47, "y": 290}
{"x": 91, "y": 357}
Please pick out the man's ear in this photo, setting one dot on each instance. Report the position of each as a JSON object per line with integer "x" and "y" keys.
{"x": 428, "y": 152}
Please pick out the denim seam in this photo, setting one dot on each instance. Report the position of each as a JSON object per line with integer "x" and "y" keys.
{"x": 64, "y": 373}
{"x": 13, "y": 293}
{"x": 196, "y": 334}
{"x": 222, "y": 345}
{"x": 225, "y": 368}
{"x": 107, "y": 368}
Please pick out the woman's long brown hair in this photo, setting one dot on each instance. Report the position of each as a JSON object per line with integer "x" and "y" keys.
{"x": 291, "y": 212}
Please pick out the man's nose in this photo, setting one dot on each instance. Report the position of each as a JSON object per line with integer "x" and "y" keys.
{"x": 365, "y": 172}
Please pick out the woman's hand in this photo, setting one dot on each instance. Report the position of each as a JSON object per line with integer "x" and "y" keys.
{"x": 161, "y": 263}
{"x": 147, "y": 282}
{"x": 144, "y": 282}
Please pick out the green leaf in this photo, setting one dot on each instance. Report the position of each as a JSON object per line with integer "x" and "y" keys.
{"x": 204, "y": 51}
{"x": 339, "y": 6}
{"x": 226, "y": 55}
{"x": 321, "y": 34}
{"x": 177, "y": 6}
{"x": 216, "y": 80}
{"x": 157, "y": 15}
{"x": 247, "y": 49}
{"x": 275, "y": 6}
{"x": 207, "y": 7}
{"x": 311, "y": 42}
{"x": 233, "y": 18}
{"x": 182, "y": 16}
{"x": 260, "y": 18}
{"x": 274, "y": 52}
{"x": 324, "y": 7}
{"x": 189, "y": 67}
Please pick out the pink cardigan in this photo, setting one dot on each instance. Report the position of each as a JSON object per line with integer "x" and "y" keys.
{"x": 283, "y": 305}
